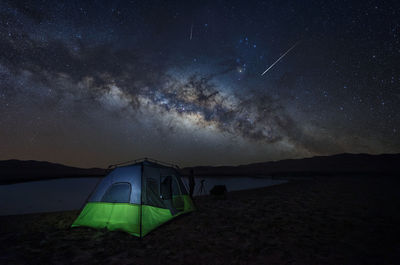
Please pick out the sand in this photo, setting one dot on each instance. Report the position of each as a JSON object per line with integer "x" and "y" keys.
{"x": 352, "y": 220}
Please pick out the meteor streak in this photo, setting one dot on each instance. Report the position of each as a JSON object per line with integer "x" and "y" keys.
{"x": 191, "y": 32}
{"x": 283, "y": 55}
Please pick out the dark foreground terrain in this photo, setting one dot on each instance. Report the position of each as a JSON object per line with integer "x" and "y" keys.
{"x": 320, "y": 221}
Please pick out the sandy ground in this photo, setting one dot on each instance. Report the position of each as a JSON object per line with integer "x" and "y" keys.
{"x": 320, "y": 221}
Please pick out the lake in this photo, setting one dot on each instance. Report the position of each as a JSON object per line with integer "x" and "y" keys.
{"x": 71, "y": 193}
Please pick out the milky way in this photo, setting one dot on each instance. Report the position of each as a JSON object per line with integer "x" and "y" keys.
{"x": 92, "y": 84}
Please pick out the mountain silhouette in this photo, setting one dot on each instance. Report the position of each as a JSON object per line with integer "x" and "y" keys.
{"x": 388, "y": 164}
{"x": 12, "y": 171}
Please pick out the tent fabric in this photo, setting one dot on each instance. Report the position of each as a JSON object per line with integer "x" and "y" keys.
{"x": 130, "y": 199}
{"x": 113, "y": 216}
{"x": 128, "y": 174}
{"x": 153, "y": 217}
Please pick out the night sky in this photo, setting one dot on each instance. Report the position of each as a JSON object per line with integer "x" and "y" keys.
{"x": 94, "y": 83}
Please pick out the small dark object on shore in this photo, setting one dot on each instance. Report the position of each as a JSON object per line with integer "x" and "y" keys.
{"x": 219, "y": 191}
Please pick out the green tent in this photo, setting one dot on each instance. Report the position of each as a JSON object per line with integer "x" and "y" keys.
{"x": 136, "y": 198}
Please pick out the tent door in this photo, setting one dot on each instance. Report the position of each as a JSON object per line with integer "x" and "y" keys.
{"x": 177, "y": 199}
{"x": 171, "y": 194}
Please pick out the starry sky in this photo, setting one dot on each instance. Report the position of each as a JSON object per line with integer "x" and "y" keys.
{"x": 91, "y": 83}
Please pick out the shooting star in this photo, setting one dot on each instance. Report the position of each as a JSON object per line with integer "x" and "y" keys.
{"x": 283, "y": 55}
{"x": 191, "y": 32}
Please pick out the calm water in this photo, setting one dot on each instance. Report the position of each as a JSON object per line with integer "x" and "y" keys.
{"x": 71, "y": 193}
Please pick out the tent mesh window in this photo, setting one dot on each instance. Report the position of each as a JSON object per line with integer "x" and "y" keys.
{"x": 153, "y": 193}
{"x": 176, "y": 195}
{"x": 118, "y": 193}
{"x": 182, "y": 186}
